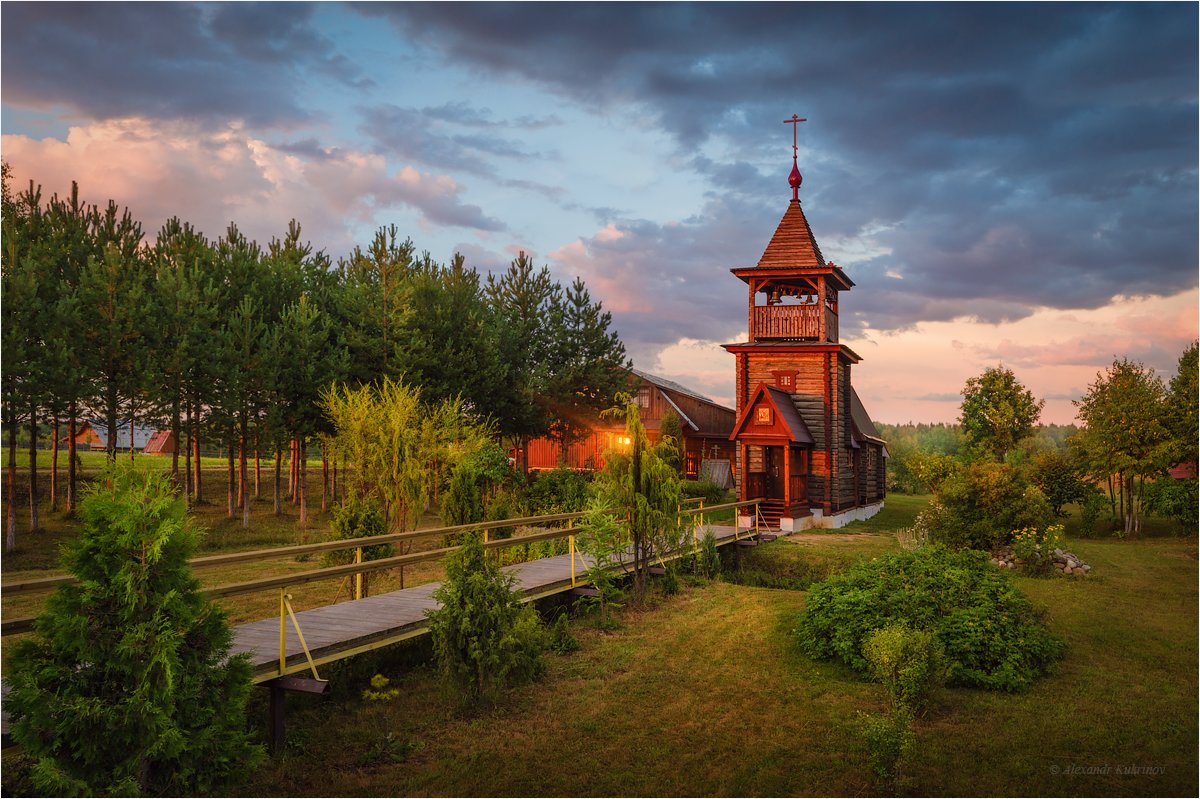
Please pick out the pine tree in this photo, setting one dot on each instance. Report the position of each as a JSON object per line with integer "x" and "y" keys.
{"x": 126, "y": 686}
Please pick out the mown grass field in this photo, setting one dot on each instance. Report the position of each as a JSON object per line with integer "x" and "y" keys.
{"x": 706, "y": 694}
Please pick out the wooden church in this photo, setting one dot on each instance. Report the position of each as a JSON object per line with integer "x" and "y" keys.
{"x": 803, "y": 441}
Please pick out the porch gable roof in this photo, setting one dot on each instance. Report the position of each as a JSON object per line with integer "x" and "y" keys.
{"x": 785, "y": 410}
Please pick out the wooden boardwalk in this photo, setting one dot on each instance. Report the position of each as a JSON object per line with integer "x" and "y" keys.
{"x": 338, "y": 631}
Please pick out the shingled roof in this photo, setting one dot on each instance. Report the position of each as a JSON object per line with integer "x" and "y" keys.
{"x": 793, "y": 243}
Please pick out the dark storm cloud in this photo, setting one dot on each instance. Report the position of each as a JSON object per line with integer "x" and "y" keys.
{"x": 1010, "y": 156}
{"x": 456, "y": 137}
{"x": 429, "y": 136}
{"x": 167, "y": 60}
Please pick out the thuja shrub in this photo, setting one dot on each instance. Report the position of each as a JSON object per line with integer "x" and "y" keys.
{"x": 992, "y": 634}
{"x": 484, "y": 638}
{"x": 125, "y": 686}
{"x": 360, "y": 518}
{"x": 889, "y": 738}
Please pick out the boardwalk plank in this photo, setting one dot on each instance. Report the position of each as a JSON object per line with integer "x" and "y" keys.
{"x": 350, "y": 624}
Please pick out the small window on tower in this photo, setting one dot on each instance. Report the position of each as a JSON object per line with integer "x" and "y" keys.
{"x": 643, "y": 397}
{"x": 785, "y": 380}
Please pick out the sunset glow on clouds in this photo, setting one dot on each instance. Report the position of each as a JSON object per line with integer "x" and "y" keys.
{"x": 1020, "y": 188}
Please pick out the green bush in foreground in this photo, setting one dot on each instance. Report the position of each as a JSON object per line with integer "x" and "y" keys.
{"x": 484, "y": 638}
{"x": 993, "y": 636}
{"x": 125, "y": 686}
{"x": 358, "y": 519}
{"x": 889, "y": 738}
{"x": 911, "y": 664}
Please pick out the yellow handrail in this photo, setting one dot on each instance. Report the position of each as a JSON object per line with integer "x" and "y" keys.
{"x": 285, "y": 603}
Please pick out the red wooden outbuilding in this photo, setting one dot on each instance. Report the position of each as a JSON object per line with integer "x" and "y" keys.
{"x": 706, "y": 426}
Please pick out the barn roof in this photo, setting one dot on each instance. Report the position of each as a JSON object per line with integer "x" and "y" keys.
{"x": 141, "y": 433}
{"x": 671, "y": 385}
{"x": 159, "y": 443}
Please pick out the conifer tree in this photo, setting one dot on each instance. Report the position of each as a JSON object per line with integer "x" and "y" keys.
{"x": 126, "y": 686}
{"x": 484, "y": 637}
{"x": 1183, "y": 407}
{"x": 588, "y": 363}
{"x": 641, "y": 479}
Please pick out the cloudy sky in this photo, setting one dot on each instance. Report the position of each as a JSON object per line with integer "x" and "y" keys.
{"x": 1008, "y": 184}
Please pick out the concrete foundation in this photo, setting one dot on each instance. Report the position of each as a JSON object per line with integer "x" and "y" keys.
{"x": 819, "y": 521}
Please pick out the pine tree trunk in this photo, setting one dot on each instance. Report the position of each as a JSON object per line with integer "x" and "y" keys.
{"x": 232, "y": 483}
{"x": 111, "y": 422}
{"x": 10, "y": 521}
{"x": 131, "y": 435}
{"x": 187, "y": 455}
{"x": 199, "y": 486}
{"x": 292, "y": 470}
{"x": 334, "y": 485}
{"x": 278, "y": 480}
{"x": 176, "y": 437}
{"x": 257, "y": 465}
{"x": 243, "y": 484}
{"x": 34, "y": 521}
{"x": 54, "y": 465}
{"x": 324, "y": 479}
{"x": 72, "y": 475}
{"x": 303, "y": 479}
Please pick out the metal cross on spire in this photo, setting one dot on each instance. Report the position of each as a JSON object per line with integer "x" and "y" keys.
{"x": 794, "y": 179}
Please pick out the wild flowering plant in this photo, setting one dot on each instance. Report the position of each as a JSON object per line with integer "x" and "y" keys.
{"x": 1034, "y": 547}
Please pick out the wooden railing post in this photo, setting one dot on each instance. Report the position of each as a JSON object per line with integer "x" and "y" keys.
{"x": 358, "y": 576}
{"x": 571, "y": 546}
{"x": 282, "y": 631}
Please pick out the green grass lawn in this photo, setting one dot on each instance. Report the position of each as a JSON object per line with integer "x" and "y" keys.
{"x": 706, "y": 694}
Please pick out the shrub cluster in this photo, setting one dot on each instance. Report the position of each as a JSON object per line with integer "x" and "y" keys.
{"x": 993, "y": 636}
{"x": 713, "y": 494}
{"x": 979, "y": 506}
{"x": 358, "y": 519}
{"x": 1178, "y": 500}
{"x": 560, "y": 490}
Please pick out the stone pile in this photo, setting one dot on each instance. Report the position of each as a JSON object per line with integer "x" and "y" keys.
{"x": 1067, "y": 563}
{"x": 1063, "y": 562}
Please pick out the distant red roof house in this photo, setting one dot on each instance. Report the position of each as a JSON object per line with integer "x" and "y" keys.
{"x": 1182, "y": 471}
{"x": 161, "y": 443}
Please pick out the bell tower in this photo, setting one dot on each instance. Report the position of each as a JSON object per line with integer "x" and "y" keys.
{"x": 795, "y": 437}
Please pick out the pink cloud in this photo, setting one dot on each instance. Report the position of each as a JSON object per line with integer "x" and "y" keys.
{"x": 162, "y": 169}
